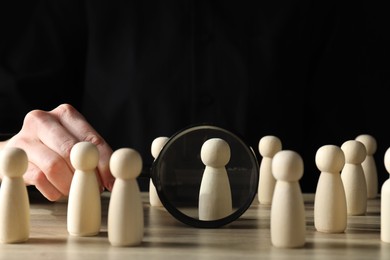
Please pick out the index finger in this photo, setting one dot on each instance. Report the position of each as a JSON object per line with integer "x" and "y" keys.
{"x": 78, "y": 126}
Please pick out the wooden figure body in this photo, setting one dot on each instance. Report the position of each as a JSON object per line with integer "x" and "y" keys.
{"x": 385, "y": 202}
{"x": 330, "y": 205}
{"x": 215, "y": 198}
{"x": 125, "y": 213}
{"x": 156, "y": 147}
{"x": 287, "y": 223}
{"x": 84, "y": 202}
{"x": 369, "y": 165}
{"x": 268, "y": 146}
{"x": 353, "y": 178}
{"x": 14, "y": 201}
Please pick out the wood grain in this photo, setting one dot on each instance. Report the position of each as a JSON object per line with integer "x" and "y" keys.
{"x": 166, "y": 238}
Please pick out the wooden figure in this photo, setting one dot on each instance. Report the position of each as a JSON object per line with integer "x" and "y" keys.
{"x": 330, "y": 204}
{"x": 215, "y": 198}
{"x": 156, "y": 147}
{"x": 125, "y": 213}
{"x": 369, "y": 165}
{"x": 353, "y": 178}
{"x": 287, "y": 223}
{"x": 385, "y": 202}
{"x": 84, "y": 202}
{"x": 268, "y": 146}
{"x": 14, "y": 201}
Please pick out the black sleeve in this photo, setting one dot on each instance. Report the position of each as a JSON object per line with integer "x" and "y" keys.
{"x": 42, "y": 57}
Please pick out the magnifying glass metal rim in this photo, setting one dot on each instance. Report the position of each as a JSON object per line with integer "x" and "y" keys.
{"x": 191, "y": 221}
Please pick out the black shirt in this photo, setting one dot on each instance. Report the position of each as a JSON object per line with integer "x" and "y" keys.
{"x": 300, "y": 70}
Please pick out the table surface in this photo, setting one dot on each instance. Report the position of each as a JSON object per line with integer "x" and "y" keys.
{"x": 167, "y": 238}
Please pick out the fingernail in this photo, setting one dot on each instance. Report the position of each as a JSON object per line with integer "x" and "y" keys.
{"x": 110, "y": 184}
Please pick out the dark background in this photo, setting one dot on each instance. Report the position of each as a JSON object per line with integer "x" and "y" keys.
{"x": 308, "y": 72}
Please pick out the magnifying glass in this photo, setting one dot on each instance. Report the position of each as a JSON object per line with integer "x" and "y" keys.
{"x": 178, "y": 171}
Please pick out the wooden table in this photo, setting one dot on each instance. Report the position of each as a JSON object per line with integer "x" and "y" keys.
{"x": 167, "y": 238}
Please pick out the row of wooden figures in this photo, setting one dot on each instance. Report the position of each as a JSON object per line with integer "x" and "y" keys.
{"x": 337, "y": 195}
{"x": 348, "y": 178}
{"x": 125, "y": 213}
